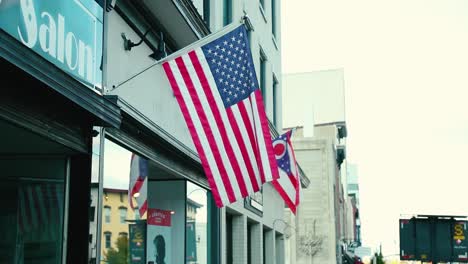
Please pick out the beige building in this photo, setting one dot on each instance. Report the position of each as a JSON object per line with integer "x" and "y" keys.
{"x": 116, "y": 213}
{"x": 318, "y": 225}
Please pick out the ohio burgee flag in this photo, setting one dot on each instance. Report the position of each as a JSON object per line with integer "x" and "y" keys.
{"x": 216, "y": 87}
{"x": 288, "y": 185}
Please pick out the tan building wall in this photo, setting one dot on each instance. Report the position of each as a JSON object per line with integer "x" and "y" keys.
{"x": 115, "y": 199}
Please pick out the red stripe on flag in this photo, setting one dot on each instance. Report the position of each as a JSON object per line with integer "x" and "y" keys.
{"x": 243, "y": 150}
{"x": 253, "y": 140}
{"x": 219, "y": 122}
{"x": 206, "y": 127}
{"x": 193, "y": 132}
{"x": 285, "y": 197}
{"x": 266, "y": 132}
{"x": 297, "y": 176}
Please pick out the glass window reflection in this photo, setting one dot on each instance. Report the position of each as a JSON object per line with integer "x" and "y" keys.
{"x": 197, "y": 225}
{"x": 120, "y": 210}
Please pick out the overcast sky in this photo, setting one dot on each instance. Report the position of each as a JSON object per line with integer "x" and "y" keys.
{"x": 406, "y": 77}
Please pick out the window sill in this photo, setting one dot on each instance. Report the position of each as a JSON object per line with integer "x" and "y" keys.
{"x": 262, "y": 11}
{"x": 275, "y": 42}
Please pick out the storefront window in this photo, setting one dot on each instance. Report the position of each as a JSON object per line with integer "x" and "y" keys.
{"x": 31, "y": 221}
{"x": 121, "y": 205}
{"x": 197, "y": 225}
{"x": 151, "y": 216}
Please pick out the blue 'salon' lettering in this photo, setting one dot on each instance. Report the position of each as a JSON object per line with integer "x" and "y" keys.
{"x": 52, "y": 40}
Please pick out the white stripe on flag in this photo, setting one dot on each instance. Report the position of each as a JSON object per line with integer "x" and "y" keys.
{"x": 261, "y": 141}
{"x": 201, "y": 135}
{"x": 143, "y": 193}
{"x": 212, "y": 124}
{"x": 287, "y": 186}
{"x": 225, "y": 119}
{"x": 248, "y": 107}
{"x": 249, "y": 145}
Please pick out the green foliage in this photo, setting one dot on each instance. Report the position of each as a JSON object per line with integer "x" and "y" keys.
{"x": 379, "y": 257}
{"x": 120, "y": 254}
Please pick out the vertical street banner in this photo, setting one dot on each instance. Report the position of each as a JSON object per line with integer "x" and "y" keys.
{"x": 159, "y": 236}
{"x": 137, "y": 241}
{"x": 191, "y": 242}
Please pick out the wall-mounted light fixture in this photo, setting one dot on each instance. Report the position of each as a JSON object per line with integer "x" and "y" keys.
{"x": 156, "y": 55}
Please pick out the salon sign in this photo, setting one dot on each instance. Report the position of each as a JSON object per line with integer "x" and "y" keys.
{"x": 68, "y": 33}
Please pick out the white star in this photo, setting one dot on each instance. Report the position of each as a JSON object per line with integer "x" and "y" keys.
{"x": 235, "y": 95}
{"x": 222, "y": 56}
{"x": 240, "y": 34}
{"x": 223, "y": 49}
{"x": 237, "y": 48}
{"x": 217, "y": 46}
{"x": 241, "y": 75}
{"x": 209, "y": 51}
{"x": 233, "y": 38}
{"x": 217, "y": 70}
{"x": 237, "y": 88}
{"x": 225, "y": 42}
{"x": 243, "y": 91}
{"x": 231, "y": 46}
{"x": 229, "y": 92}
{"x": 238, "y": 41}
{"x": 238, "y": 65}
{"x": 243, "y": 68}
{"x": 221, "y": 80}
{"x": 224, "y": 90}
{"x": 242, "y": 51}
{"x": 229, "y": 52}
{"x": 216, "y": 53}
{"x": 222, "y": 73}
{"x": 226, "y": 83}
{"x": 234, "y": 79}
{"x": 228, "y": 99}
{"x": 213, "y": 61}
{"x": 219, "y": 63}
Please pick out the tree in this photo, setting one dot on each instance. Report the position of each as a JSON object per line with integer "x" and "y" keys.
{"x": 120, "y": 254}
{"x": 378, "y": 258}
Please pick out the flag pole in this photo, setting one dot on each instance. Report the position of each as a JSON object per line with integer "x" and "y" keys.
{"x": 199, "y": 42}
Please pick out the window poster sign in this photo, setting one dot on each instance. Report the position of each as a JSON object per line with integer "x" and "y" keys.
{"x": 68, "y": 33}
{"x": 137, "y": 241}
{"x": 159, "y": 236}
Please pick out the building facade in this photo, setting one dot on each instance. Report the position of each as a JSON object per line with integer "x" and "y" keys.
{"x": 315, "y": 102}
{"x": 353, "y": 194}
{"x": 90, "y": 102}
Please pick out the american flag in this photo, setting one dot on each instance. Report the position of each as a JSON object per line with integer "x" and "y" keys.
{"x": 40, "y": 210}
{"x": 217, "y": 90}
{"x": 138, "y": 185}
{"x": 288, "y": 185}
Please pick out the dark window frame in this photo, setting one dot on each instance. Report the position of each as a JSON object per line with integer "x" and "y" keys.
{"x": 263, "y": 66}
